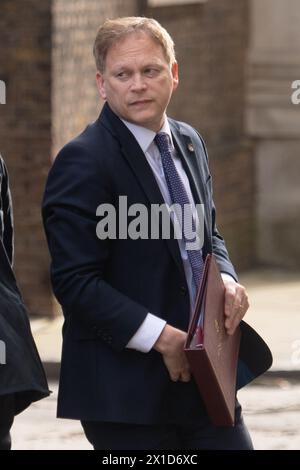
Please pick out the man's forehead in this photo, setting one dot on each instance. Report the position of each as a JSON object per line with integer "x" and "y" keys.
{"x": 134, "y": 42}
{"x": 134, "y": 37}
{"x": 142, "y": 62}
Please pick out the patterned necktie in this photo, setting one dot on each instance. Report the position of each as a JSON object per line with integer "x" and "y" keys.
{"x": 179, "y": 196}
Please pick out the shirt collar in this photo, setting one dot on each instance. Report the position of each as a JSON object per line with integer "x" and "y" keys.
{"x": 145, "y": 136}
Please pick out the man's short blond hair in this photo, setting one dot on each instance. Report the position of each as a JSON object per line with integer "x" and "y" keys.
{"x": 112, "y": 30}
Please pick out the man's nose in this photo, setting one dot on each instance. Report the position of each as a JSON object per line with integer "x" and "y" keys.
{"x": 138, "y": 83}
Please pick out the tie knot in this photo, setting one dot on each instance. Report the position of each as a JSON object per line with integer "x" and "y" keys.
{"x": 163, "y": 142}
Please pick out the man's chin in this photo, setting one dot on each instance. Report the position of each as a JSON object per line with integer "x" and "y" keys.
{"x": 142, "y": 119}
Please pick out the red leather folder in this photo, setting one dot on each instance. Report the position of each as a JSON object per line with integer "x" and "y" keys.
{"x": 211, "y": 352}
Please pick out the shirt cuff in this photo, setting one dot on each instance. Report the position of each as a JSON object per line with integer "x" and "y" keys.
{"x": 227, "y": 277}
{"x": 147, "y": 334}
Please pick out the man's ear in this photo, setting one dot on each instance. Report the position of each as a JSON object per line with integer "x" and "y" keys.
{"x": 101, "y": 85}
{"x": 174, "y": 70}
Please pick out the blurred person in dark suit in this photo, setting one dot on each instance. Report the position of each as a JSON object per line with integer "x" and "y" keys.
{"x": 22, "y": 378}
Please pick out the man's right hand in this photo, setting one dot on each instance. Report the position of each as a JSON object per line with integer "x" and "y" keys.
{"x": 170, "y": 344}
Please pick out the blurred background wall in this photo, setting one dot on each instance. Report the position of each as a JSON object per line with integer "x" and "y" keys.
{"x": 237, "y": 60}
{"x": 25, "y": 136}
{"x": 273, "y": 124}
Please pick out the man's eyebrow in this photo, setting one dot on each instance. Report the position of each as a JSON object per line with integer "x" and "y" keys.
{"x": 152, "y": 64}
{"x": 118, "y": 66}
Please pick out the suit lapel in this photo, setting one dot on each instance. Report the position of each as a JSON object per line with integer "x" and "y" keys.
{"x": 140, "y": 167}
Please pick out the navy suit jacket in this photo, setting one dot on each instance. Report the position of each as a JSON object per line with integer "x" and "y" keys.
{"x": 107, "y": 287}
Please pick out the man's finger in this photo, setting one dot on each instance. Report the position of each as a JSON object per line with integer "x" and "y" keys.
{"x": 229, "y": 300}
{"x": 238, "y": 305}
{"x": 185, "y": 377}
{"x": 174, "y": 377}
{"x": 232, "y": 323}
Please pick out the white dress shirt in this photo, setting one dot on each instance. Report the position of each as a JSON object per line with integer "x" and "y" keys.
{"x": 150, "y": 330}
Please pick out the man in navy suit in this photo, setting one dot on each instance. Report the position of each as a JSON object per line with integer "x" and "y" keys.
{"x": 127, "y": 300}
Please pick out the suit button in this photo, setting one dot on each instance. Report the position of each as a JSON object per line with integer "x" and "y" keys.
{"x": 106, "y": 337}
{"x": 183, "y": 290}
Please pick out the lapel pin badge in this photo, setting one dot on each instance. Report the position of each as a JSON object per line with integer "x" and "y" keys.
{"x": 190, "y": 147}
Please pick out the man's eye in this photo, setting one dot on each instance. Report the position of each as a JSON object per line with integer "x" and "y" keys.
{"x": 151, "y": 72}
{"x": 121, "y": 75}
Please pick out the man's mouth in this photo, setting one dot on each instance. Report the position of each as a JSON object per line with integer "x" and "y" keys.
{"x": 140, "y": 102}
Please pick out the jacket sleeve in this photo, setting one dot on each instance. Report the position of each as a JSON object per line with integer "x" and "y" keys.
{"x": 218, "y": 244}
{"x": 7, "y": 213}
{"x": 76, "y": 185}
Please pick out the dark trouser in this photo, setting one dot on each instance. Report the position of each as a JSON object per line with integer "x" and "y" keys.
{"x": 197, "y": 436}
{"x": 7, "y": 413}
